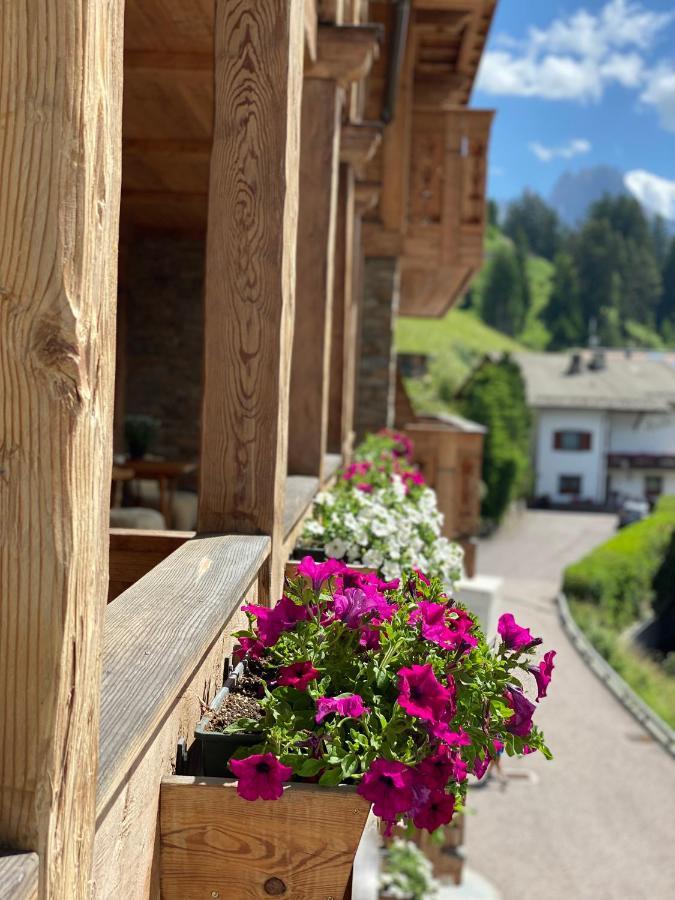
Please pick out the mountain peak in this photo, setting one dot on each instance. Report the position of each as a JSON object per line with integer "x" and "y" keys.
{"x": 574, "y": 192}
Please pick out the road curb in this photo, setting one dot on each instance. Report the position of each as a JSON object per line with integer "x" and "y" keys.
{"x": 649, "y": 720}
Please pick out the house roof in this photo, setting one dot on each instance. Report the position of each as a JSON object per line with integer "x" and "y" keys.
{"x": 640, "y": 383}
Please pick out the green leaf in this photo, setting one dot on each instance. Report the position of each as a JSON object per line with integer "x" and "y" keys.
{"x": 331, "y": 777}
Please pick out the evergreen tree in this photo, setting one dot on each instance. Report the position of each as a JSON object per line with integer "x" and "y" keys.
{"x": 539, "y": 223}
{"x": 596, "y": 253}
{"x": 503, "y": 297}
{"x": 563, "y": 316}
{"x": 493, "y": 213}
{"x": 521, "y": 260}
{"x": 660, "y": 240}
{"x": 666, "y": 308}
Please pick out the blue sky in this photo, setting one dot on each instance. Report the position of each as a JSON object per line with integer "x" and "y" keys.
{"x": 578, "y": 83}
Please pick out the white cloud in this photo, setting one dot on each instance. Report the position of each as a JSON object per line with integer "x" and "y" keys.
{"x": 659, "y": 92}
{"x": 566, "y": 151}
{"x": 576, "y": 57}
{"x": 655, "y": 193}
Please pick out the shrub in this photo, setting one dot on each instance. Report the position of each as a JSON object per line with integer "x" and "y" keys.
{"x": 630, "y": 571}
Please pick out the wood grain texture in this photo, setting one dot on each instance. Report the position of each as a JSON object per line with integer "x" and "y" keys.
{"x": 156, "y": 636}
{"x": 60, "y": 108}
{"x": 299, "y": 495}
{"x": 310, "y": 369}
{"x": 19, "y": 876}
{"x": 214, "y": 841}
{"x": 250, "y": 268}
{"x": 311, "y": 25}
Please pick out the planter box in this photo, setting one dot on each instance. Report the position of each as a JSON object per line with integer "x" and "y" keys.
{"x": 217, "y": 748}
{"x": 215, "y": 844}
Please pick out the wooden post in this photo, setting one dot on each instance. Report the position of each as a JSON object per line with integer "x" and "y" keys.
{"x": 319, "y": 161}
{"x": 60, "y": 158}
{"x": 250, "y": 270}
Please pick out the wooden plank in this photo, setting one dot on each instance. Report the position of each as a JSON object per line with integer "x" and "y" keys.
{"x": 331, "y": 467}
{"x": 18, "y": 876}
{"x": 60, "y": 107}
{"x": 359, "y": 142}
{"x": 157, "y": 634}
{"x": 302, "y": 845}
{"x": 344, "y": 53}
{"x": 310, "y": 370}
{"x": 379, "y": 241}
{"x": 250, "y": 269}
{"x": 331, "y": 11}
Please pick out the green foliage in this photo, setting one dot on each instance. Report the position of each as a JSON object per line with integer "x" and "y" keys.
{"x": 666, "y": 308}
{"x": 619, "y": 575}
{"x": 539, "y": 224}
{"x": 653, "y": 682}
{"x": 563, "y": 316}
{"x": 505, "y": 300}
{"x": 495, "y": 397}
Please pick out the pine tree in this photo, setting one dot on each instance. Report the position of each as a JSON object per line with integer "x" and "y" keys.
{"x": 537, "y": 220}
{"x": 666, "y": 308}
{"x": 563, "y": 315}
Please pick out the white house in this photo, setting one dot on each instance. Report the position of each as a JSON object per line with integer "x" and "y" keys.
{"x": 604, "y": 424}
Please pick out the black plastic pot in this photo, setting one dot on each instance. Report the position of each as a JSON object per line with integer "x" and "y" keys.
{"x": 218, "y": 748}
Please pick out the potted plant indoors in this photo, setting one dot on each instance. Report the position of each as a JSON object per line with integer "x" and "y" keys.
{"x": 388, "y": 687}
{"x": 381, "y": 515}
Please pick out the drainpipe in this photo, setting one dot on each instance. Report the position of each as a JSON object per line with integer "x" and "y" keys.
{"x": 398, "y": 41}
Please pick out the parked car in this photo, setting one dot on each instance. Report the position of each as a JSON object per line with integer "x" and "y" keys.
{"x": 632, "y": 510}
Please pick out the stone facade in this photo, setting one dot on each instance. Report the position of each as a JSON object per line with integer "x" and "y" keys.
{"x": 163, "y": 288}
{"x": 377, "y": 357}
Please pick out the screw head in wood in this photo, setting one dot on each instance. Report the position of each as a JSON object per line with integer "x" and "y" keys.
{"x": 215, "y": 894}
{"x": 275, "y": 887}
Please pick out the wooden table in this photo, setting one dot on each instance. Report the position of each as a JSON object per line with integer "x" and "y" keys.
{"x": 166, "y": 473}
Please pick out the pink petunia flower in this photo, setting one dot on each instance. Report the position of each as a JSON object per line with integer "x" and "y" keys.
{"x": 423, "y": 696}
{"x": 260, "y": 776}
{"x": 319, "y": 573}
{"x": 349, "y": 707}
{"x": 442, "y": 732}
{"x": 271, "y": 623}
{"x": 354, "y": 604}
{"x": 543, "y": 673}
{"x": 436, "y": 812}
{"x": 297, "y": 675}
{"x": 388, "y": 785}
{"x": 512, "y": 634}
{"x": 520, "y": 722}
{"x": 441, "y": 767}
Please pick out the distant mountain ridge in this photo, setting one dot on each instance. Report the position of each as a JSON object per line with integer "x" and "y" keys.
{"x": 575, "y": 192}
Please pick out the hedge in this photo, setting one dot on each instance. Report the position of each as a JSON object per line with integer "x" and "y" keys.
{"x": 620, "y": 574}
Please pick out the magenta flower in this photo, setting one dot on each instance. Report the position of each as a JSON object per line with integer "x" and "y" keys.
{"x": 543, "y": 673}
{"x": 436, "y": 812}
{"x": 364, "y": 487}
{"x": 319, "y": 573}
{"x": 357, "y": 468}
{"x": 520, "y": 722}
{"x": 348, "y": 707}
{"x": 443, "y": 766}
{"x": 369, "y": 637}
{"x": 481, "y": 764}
{"x": 423, "y": 696}
{"x": 297, "y": 675}
{"x": 512, "y": 634}
{"x": 388, "y": 786}
{"x": 442, "y": 732}
{"x": 271, "y": 623}
{"x": 260, "y": 776}
{"x": 248, "y": 647}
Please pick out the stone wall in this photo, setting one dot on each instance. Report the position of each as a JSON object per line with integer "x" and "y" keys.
{"x": 162, "y": 288}
{"x": 377, "y": 363}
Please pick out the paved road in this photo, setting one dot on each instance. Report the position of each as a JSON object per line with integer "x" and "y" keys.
{"x": 599, "y": 822}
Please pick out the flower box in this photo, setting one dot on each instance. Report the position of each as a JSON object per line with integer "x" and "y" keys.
{"x": 213, "y": 843}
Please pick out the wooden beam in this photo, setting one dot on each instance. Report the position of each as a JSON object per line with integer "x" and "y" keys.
{"x": 342, "y": 307}
{"x": 60, "y": 96}
{"x": 319, "y": 160}
{"x": 366, "y": 196}
{"x": 440, "y": 92}
{"x": 310, "y": 28}
{"x": 250, "y": 270}
{"x": 379, "y": 241}
{"x": 19, "y": 876}
{"x": 345, "y": 53}
{"x": 359, "y": 143}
